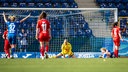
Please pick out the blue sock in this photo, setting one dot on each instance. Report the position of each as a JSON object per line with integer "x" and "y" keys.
{"x": 104, "y": 55}
{"x": 12, "y": 51}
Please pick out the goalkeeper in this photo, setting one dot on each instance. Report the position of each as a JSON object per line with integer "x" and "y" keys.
{"x": 66, "y": 50}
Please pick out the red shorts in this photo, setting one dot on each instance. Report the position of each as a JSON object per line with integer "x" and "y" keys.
{"x": 6, "y": 45}
{"x": 116, "y": 41}
{"x": 44, "y": 37}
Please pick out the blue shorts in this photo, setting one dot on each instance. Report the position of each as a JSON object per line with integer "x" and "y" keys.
{"x": 111, "y": 55}
{"x": 12, "y": 38}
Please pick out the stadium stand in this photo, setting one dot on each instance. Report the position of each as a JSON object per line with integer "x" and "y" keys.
{"x": 122, "y": 6}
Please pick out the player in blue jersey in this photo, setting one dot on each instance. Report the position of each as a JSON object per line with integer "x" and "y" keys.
{"x": 106, "y": 53}
{"x": 12, "y": 30}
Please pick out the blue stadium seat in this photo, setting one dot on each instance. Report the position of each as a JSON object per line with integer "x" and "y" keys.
{"x": 45, "y": 1}
{"x": 73, "y": 5}
{"x": 59, "y": 26}
{"x": 54, "y": 1}
{"x": 9, "y": 1}
{"x": 65, "y": 5}
{"x": 5, "y": 5}
{"x": 122, "y": 13}
{"x": 120, "y": 6}
{"x": 19, "y": 1}
{"x": 88, "y": 32}
{"x": 63, "y": 1}
{"x": 109, "y": 1}
{"x": 71, "y": 32}
{"x": 103, "y": 5}
{"x": 79, "y": 33}
{"x": 29, "y": 1}
{"x": 40, "y": 5}
{"x": 111, "y": 5}
{"x": 85, "y": 26}
{"x": 126, "y": 6}
{"x": 100, "y": 1}
{"x": 70, "y": 1}
{"x": 14, "y": 5}
{"x": 31, "y": 5}
{"x": 52, "y": 25}
{"x": 56, "y": 5}
{"x": 48, "y": 5}
{"x": 54, "y": 33}
{"x": 2, "y": 1}
{"x": 124, "y": 1}
{"x": 22, "y": 5}
{"x": 61, "y": 33}
{"x": 117, "y": 1}
{"x": 36, "y": 1}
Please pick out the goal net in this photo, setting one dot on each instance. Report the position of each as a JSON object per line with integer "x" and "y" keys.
{"x": 87, "y": 29}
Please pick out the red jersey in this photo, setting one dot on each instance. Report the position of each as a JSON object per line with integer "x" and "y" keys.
{"x": 43, "y": 26}
{"x": 5, "y": 34}
{"x": 115, "y": 32}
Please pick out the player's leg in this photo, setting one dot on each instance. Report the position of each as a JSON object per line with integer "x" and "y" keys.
{"x": 72, "y": 55}
{"x": 12, "y": 41}
{"x": 46, "y": 39}
{"x": 47, "y": 46}
{"x": 59, "y": 55}
{"x": 6, "y": 48}
{"x": 115, "y": 50}
{"x": 42, "y": 50}
{"x": 116, "y": 47}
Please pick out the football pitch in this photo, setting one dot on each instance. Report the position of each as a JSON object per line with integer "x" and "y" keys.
{"x": 64, "y": 65}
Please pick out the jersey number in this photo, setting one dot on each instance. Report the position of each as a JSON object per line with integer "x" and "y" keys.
{"x": 12, "y": 28}
{"x": 44, "y": 27}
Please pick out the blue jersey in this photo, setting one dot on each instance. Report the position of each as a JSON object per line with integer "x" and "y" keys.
{"x": 12, "y": 27}
{"x": 105, "y": 55}
{"x": 12, "y": 30}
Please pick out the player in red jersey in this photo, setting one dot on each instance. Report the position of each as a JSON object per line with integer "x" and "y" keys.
{"x": 43, "y": 34}
{"x": 116, "y": 38}
{"x": 6, "y": 44}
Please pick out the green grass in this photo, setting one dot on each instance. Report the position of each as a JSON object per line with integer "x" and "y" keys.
{"x": 64, "y": 65}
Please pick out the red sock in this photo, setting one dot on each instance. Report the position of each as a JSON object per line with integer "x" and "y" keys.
{"x": 8, "y": 52}
{"x": 42, "y": 51}
{"x": 117, "y": 53}
{"x": 46, "y": 48}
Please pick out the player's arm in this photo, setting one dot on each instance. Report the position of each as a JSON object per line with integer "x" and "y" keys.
{"x": 70, "y": 49}
{"x": 50, "y": 33}
{"x": 112, "y": 33}
{"x": 49, "y": 30}
{"x": 62, "y": 48}
{"x": 4, "y": 17}
{"x": 120, "y": 36}
{"x": 37, "y": 31}
{"x": 3, "y": 36}
{"x": 25, "y": 18}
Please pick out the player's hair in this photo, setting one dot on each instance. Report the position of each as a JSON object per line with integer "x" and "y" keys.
{"x": 5, "y": 29}
{"x": 12, "y": 16}
{"x": 115, "y": 24}
{"x": 104, "y": 49}
{"x": 42, "y": 15}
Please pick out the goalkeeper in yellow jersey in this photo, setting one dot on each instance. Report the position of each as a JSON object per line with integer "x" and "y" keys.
{"x": 66, "y": 50}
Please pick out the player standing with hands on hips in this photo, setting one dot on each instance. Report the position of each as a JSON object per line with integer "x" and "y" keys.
{"x": 116, "y": 38}
{"x": 12, "y": 30}
{"x": 43, "y": 34}
{"x": 6, "y": 44}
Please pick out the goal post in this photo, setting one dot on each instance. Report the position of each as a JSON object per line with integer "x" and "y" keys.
{"x": 87, "y": 29}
